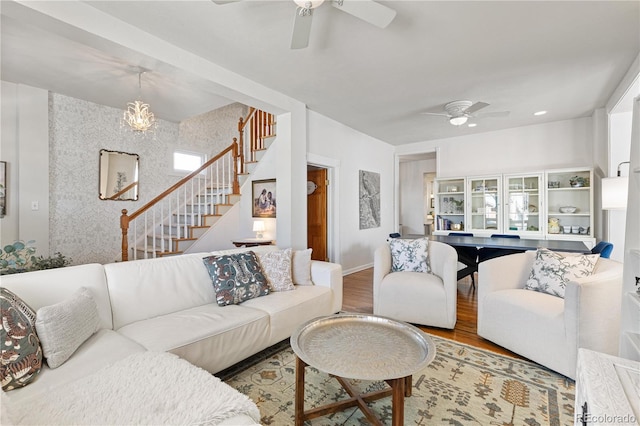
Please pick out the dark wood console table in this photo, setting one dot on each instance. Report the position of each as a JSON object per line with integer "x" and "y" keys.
{"x": 252, "y": 242}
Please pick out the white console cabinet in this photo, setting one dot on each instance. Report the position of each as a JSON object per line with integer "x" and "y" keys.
{"x": 607, "y": 390}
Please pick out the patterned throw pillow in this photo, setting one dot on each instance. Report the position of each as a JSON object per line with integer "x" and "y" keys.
{"x": 410, "y": 255}
{"x": 66, "y": 325}
{"x": 236, "y": 277}
{"x": 552, "y": 270}
{"x": 20, "y": 347}
{"x": 276, "y": 266}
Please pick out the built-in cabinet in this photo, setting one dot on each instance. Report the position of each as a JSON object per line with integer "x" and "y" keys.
{"x": 484, "y": 198}
{"x": 450, "y": 204}
{"x": 523, "y": 210}
{"x": 552, "y": 204}
{"x": 570, "y": 202}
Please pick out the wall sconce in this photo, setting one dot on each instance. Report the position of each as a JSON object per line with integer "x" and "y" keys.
{"x": 258, "y": 228}
{"x": 615, "y": 191}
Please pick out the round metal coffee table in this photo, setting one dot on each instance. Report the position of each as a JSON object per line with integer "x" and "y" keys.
{"x": 365, "y": 347}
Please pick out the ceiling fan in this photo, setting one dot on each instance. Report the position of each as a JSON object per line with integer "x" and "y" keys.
{"x": 459, "y": 112}
{"x": 367, "y": 10}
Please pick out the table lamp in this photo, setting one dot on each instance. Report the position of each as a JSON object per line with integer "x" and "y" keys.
{"x": 258, "y": 228}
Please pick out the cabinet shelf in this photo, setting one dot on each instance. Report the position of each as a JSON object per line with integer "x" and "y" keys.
{"x": 569, "y": 188}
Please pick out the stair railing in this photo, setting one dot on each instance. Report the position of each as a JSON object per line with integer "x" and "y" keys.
{"x": 261, "y": 125}
{"x": 168, "y": 216}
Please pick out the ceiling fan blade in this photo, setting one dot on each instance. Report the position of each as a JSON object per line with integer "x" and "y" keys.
{"x": 223, "y": 2}
{"x": 367, "y": 10}
{"x": 475, "y": 107}
{"x": 301, "y": 30}
{"x": 492, "y": 114}
{"x": 442, "y": 114}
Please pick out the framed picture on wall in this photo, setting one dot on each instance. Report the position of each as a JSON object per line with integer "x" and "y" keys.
{"x": 3, "y": 188}
{"x": 264, "y": 198}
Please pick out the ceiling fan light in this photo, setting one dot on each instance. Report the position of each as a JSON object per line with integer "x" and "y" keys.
{"x": 308, "y": 4}
{"x": 458, "y": 121}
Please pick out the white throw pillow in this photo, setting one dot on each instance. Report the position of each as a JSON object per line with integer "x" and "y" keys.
{"x": 409, "y": 255}
{"x": 276, "y": 266}
{"x": 63, "y": 327}
{"x": 301, "y": 267}
{"x": 552, "y": 270}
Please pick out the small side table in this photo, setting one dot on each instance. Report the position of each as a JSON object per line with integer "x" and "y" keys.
{"x": 252, "y": 242}
{"x": 364, "y": 347}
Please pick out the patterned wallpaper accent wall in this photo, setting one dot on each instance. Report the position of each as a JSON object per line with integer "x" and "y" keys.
{"x": 82, "y": 226}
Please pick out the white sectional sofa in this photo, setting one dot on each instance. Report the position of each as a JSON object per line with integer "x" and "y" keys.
{"x": 166, "y": 305}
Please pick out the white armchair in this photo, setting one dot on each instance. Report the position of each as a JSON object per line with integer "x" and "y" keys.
{"x": 544, "y": 328}
{"x": 417, "y": 297}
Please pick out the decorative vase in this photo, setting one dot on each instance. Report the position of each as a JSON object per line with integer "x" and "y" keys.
{"x": 554, "y": 225}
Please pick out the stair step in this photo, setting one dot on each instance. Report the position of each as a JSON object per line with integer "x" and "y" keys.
{"x": 210, "y": 219}
{"x": 198, "y": 231}
{"x": 223, "y": 208}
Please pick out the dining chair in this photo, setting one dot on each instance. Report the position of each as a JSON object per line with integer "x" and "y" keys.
{"x": 468, "y": 256}
{"x": 490, "y": 253}
{"x": 604, "y": 248}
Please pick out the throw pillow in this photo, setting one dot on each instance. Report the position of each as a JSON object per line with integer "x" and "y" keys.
{"x": 301, "y": 267}
{"x": 236, "y": 277}
{"x": 65, "y": 326}
{"x": 276, "y": 266}
{"x": 21, "y": 359}
{"x": 552, "y": 270}
{"x": 409, "y": 255}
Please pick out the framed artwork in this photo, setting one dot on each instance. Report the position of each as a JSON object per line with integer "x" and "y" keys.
{"x": 369, "y": 199}
{"x": 264, "y": 198}
{"x": 3, "y": 188}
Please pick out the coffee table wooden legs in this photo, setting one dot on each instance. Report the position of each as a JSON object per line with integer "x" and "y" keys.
{"x": 399, "y": 389}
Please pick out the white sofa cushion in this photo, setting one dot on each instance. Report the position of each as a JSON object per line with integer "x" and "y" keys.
{"x": 287, "y": 310}
{"x": 64, "y": 326}
{"x": 210, "y": 336}
{"x": 103, "y": 348}
{"x": 44, "y": 288}
{"x": 143, "y": 289}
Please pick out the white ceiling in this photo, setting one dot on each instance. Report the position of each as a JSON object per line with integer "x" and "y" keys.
{"x": 520, "y": 56}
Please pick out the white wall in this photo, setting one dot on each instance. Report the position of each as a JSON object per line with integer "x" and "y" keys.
{"x": 355, "y": 151}
{"x": 25, "y": 148}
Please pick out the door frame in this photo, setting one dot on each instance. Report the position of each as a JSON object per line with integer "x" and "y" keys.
{"x": 333, "y": 218}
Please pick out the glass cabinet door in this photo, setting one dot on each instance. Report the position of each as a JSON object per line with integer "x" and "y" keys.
{"x": 450, "y": 205}
{"x": 523, "y": 204}
{"x": 484, "y": 203}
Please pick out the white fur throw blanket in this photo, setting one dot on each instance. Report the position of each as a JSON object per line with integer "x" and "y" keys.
{"x": 143, "y": 389}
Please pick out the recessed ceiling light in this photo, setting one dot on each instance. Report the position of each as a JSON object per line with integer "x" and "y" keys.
{"x": 472, "y": 124}
{"x": 540, "y": 113}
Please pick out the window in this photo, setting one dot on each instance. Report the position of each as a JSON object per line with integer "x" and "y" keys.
{"x": 184, "y": 161}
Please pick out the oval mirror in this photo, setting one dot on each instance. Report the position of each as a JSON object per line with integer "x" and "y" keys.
{"x": 118, "y": 176}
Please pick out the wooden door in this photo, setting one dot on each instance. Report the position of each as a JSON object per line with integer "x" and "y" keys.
{"x": 317, "y": 213}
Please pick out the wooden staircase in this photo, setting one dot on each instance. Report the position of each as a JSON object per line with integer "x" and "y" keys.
{"x": 175, "y": 219}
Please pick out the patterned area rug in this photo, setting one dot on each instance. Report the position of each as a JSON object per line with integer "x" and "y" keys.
{"x": 462, "y": 386}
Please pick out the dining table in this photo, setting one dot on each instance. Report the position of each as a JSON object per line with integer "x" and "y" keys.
{"x": 574, "y": 246}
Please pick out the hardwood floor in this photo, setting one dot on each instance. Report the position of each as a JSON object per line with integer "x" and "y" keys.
{"x": 358, "y": 297}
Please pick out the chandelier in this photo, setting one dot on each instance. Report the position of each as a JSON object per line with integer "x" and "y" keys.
{"x": 138, "y": 114}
